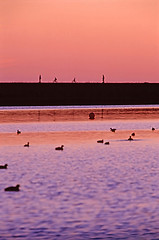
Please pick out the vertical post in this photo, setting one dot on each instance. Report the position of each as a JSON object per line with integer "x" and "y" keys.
{"x": 39, "y": 78}
{"x": 103, "y": 78}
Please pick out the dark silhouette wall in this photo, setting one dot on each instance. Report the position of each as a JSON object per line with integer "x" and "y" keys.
{"x": 41, "y": 94}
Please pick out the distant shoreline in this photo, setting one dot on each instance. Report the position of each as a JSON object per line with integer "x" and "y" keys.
{"x": 65, "y": 115}
{"x": 56, "y": 94}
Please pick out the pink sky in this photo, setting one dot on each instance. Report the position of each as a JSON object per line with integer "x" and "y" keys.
{"x": 79, "y": 38}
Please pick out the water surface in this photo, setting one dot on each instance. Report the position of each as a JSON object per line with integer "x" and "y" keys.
{"x": 87, "y": 191}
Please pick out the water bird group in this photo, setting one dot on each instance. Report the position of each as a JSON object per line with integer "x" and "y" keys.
{"x": 102, "y": 141}
{"x": 13, "y": 188}
{"x": 60, "y": 148}
{"x": 4, "y": 166}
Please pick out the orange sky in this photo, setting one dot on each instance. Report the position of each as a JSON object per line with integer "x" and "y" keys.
{"x": 79, "y": 38}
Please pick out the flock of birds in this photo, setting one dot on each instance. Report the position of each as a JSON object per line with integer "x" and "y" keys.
{"x": 60, "y": 148}
{"x": 5, "y": 166}
{"x": 114, "y": 130}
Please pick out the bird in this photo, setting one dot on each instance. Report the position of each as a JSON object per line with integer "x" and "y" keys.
{"x": 153, "y": 128}
{"x": 13, "y": 188}
{"x": 106, "y": 143}
{"x": 18, "y": 132}
{"x": 130, "y": 138}
{"x": 4, "y": 166}
{"x": 92, "y": 116}
{"x": 133, "y": 134}
{"x": 60, "y": 148}
{"x": 26, "y": 145}
{"x": 100, "y": 141}
{"x": 113, "y": 129}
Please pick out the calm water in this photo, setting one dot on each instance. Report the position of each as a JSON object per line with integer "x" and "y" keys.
{"x": 87, "y": 191}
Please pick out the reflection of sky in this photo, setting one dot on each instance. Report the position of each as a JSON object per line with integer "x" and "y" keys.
{"x": 87, "y": 191}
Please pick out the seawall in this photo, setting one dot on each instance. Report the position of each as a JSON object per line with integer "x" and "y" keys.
{"x": 49, "y": 94}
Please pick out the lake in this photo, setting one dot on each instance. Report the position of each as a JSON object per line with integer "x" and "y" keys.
{"x": 89, "y": 190}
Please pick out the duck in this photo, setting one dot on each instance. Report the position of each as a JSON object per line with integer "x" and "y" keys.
{"x": 106, "y": 143}
{"x": 153, "y": 129}
{"x": 4, "y": 166}
{"x": 60, "y": 148}
{"x": 18, "y": 132}
{"x": 13, "y": 188}
{"x": 113, "y": 129}
{"x": 26, "y": 145}
{"x": 133, "y": 134}
{"x": 130, "y": 138}
{"x": 100, "y": 141}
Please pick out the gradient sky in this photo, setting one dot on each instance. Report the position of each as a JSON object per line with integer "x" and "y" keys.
{"x": 79, "y": 38}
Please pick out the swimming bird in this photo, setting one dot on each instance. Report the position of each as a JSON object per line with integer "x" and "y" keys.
{"x": 100, "y": 141}
{"x": 18, "y": 132}
{"x": 106, "y": 143}
{"x": 60, "y": 148}
{"x": 4, "y": 166}
{"x": 153, "y": 128}
{"x": 92, "y": 115}
{"x": 130, "y": 138}
{"x": 113, "y": 129}
{"x": 133, "y": 134}
{"x": 26, "y": 145}
{"x": 13, "y": 188}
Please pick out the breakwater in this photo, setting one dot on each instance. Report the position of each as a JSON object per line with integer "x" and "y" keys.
{"x": 49, "y": 94}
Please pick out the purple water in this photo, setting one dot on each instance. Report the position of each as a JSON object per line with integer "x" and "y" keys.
{"x": 87, "y": 191}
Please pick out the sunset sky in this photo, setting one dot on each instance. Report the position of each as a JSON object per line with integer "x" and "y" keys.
{"x": 79, "y": 38}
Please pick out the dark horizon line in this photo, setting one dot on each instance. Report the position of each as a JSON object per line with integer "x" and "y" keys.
{"x": 81, "y": 82}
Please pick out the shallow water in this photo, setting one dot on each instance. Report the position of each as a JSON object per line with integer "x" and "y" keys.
{"x": 87, "y": 191}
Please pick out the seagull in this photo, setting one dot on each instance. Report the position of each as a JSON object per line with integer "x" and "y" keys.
{"x": 4, "y": 166}
{"x": 60, "y": 148}
{"x": 12, "y": 188}
{"x": 26, "y": 145}
{"x": 100, "y": 141}
{"x": 113, "y": 129}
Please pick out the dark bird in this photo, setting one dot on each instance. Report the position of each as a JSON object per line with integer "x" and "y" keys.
{"x": 18, "y": 132}
{"x": 153, "y": 129}
{"x": 92, "y": 115}
{"x": 26, "y": 145}
{"x": 4, "y": 166}
{"x": 113, "y": 129}
{"x": 130, "y": 138}
{"x": 133, "y": 134}
{"x": 100, "y": 141}
{"x": 106, "y": 143}
{"x": 12, "y": 188}
{"x": 60, "y": 148}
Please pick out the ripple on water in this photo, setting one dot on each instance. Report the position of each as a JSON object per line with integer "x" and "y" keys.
{"x": 88, "y": 191}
